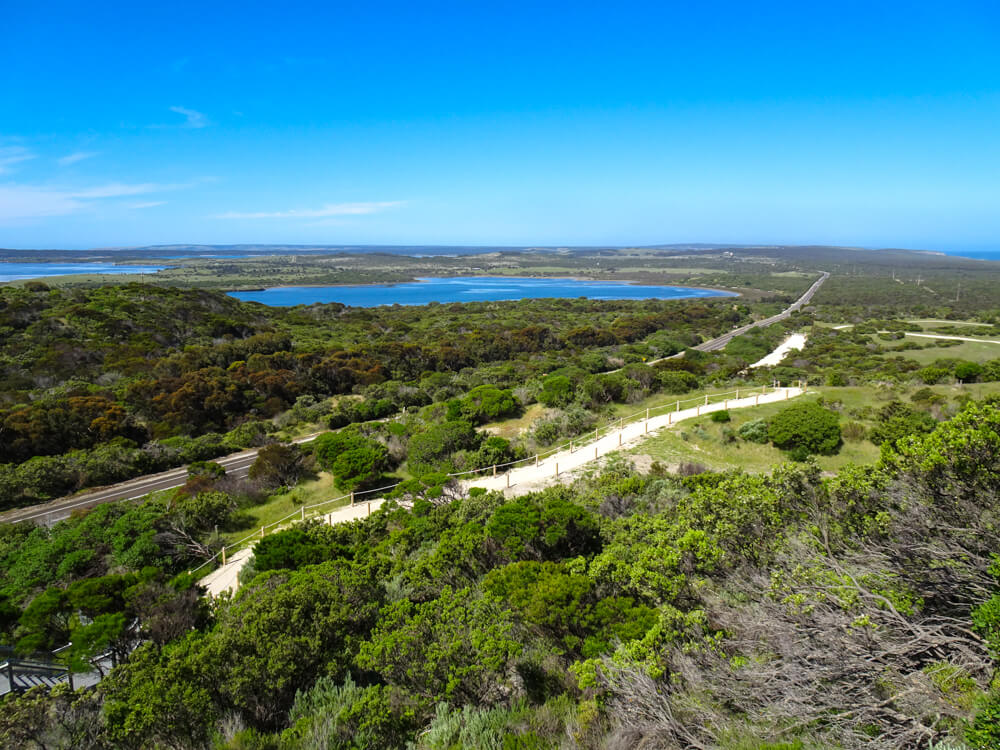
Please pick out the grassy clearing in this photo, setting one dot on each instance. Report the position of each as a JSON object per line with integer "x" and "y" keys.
{"x": 701, "y": 440}
{"x": 279, "y": 505}
{"x": 512, "y": 428}
{"x": 668, "y": 270}
{"x": 972, "y": 351}
{"x": 931, "y": 323}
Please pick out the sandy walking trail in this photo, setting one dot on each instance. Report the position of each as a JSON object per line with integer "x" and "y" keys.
{"x": 527, "y": 478}
{"x": 795, "y": 342}
{"x": 557, "y": 467}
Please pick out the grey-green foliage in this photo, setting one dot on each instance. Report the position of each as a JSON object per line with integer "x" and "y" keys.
{"x": 334, "y": 716}
{"x": 480, "y": 729}
{"x": 467, "y": 728}
{"x": 755, "y": 431}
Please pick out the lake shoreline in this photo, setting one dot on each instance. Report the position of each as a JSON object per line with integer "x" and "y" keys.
{"x": 467, "y": 289}
{"x": 418, "y": 279}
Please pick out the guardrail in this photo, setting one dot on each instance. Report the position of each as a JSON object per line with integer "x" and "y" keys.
{"x": 18, "y": 674}
{"x": 351, "y": 499}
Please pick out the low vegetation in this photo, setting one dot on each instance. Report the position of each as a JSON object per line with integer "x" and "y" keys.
{"x": 821, "y": 573}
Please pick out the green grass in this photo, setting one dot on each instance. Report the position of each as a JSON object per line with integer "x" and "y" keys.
{"x": 932, "y": 323}
{"x": 512, "y": 428}
{"x": 701, "y": 440}
{"x": 279, "y": 505}
{"x": 972, "y": 351}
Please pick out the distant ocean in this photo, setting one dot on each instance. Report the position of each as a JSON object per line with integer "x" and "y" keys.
{"x": 10, "y": 271}
{"x": 975, "y": 254}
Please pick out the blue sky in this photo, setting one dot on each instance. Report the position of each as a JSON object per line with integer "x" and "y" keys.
{"x": 858, "y": 123}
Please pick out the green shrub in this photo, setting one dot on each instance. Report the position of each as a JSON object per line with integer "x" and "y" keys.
{"x": 932, "y": 375}
{"x": 896, "y": 420}
{"x": 968, "y": 372}
{"x": 854, "y": 431}
{"x": 755, "y": 431}
{"x": 355, "y": 460}
{"x": 720, "y": 416}
{"x": 806, "y": 427}
{"x": 557, "y": 390}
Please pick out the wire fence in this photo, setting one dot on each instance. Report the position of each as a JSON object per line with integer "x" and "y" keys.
{"x": 351, "y": 499}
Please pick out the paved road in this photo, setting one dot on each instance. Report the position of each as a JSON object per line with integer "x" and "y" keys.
{"x": 720, "y": 342}
{"x": 236, "y": 465}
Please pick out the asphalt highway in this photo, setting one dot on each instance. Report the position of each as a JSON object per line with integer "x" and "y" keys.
{"x": 236, "y": 465}
{"x": 718, "y": 343}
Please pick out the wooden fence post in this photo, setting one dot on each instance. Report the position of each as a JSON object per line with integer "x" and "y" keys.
{"x": 303, "y": 513}
{"x": 595, "y": 452}
{"x": 223, "y": 557}
{"x": 557, "y": 469}
{"x": 494, "y": 469}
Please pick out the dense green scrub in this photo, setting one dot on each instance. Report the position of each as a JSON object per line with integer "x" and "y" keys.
{"x": 104, "y": 384}
{"x": 716, "y": 610}
{"x": 98, "y": 385}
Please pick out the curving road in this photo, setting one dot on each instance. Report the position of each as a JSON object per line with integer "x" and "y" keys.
{"x": 238, "y": 464}
{"x": 718, "y": 343}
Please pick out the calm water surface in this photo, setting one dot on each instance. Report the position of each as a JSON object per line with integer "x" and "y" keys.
{"x": 467, "y": 289}
{"x": 22, "y": 271}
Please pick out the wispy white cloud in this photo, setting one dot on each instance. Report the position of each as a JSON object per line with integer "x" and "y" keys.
{"x": 26, "y": 202}
{"x": 73, "y": 158}
{"x": 195, "y": 119}
{"x": 21, "y": 202}
{"x": 10, "y": 155}
{"x": 119, "y": 190}
{"x": 331, "y": 209}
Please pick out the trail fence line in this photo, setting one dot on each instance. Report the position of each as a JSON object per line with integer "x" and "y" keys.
{"x": 719, "y": 400}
